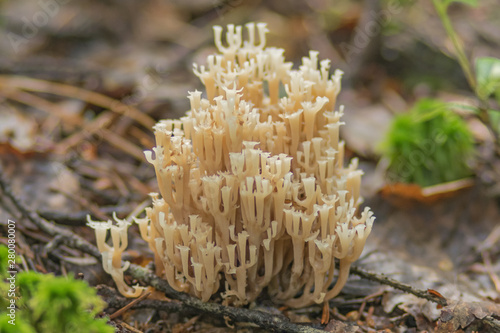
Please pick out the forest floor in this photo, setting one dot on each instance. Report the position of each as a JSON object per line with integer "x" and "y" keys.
{"x": 67, "y": 151}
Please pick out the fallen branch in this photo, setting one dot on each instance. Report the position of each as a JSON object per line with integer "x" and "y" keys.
{"x": 382, "y": 279}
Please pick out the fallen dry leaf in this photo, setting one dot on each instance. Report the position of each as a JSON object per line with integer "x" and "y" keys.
{"x": 406, "y": 193}
{"x": 461, "y": 314}
{"x": 16, "y": 129}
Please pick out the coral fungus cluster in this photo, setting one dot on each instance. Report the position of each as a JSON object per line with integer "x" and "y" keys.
{"x": 253, "y": 188}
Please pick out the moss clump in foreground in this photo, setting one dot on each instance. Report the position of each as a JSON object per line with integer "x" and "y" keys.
{"x": 48, "y": 303}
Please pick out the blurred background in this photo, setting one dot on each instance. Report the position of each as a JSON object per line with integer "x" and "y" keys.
{"x": 65, "y": 64}
{"x": 388, "y": 49}
{"x": 392, "y": 52}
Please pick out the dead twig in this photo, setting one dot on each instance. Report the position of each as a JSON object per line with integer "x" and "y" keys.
{"x": 130, "y": 328}
{"x": 115, "y": 300}
{"x": 129, "y": 305}
{"x": 123, "y": 144}
{"x": 41, "y": 104}
{"x": 9, "y": 82}
{"x": 487, "y": 264}
{"x": 365, "y": 300}
{"x": 84, "y": 203}
{"x": 492, "y": 239}
{"x": 92, "y": 128}
{"x": 13, "y": 87}
{"x": 382, "y": 279}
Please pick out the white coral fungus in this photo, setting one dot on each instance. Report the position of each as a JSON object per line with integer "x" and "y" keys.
{"x": 254, "y": 192}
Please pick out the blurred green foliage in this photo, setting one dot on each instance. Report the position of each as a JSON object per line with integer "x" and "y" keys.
{"x": 50, "y": 304}
{"x": 428, "y": 145}
{"x": 488, "y": 78}
{"x": 488, "y": 84}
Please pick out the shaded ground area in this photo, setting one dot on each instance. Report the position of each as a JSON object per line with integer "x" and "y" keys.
{"x": 82, "y": 83}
